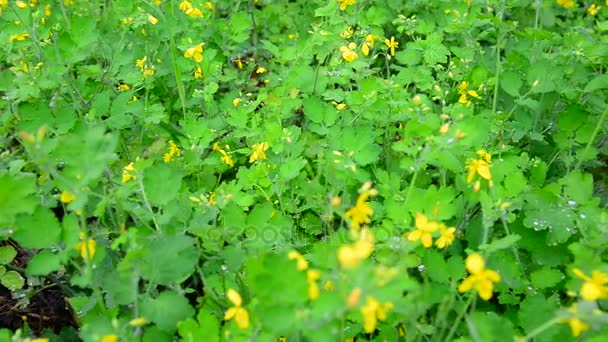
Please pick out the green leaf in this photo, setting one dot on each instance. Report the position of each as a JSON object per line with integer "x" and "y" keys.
{"x": 433, "y": 51}
{"x": 546, "y": 277}
{"x": 43, "y": 263}
{"x": 161, "y": 184}
{"x": 168, "y": 259}
{"x": 167, "y": 310}
{"x": 533, "y": 312}
{"x": 579, "y": 187}
{"x": 12, "y": 280}
{"x": 16, "y": 196}
{"x": 599, "y": 82}
{"x": 435, "y": 266}
{"x": 511, "y": 83}
{"x": 291, "y": 168}
{"x": 38, "y": 230}
{"x": 7, "y": 254}
{"x": 502, "y": 243}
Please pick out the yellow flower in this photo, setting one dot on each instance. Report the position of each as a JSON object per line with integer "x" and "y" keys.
{"x": 594, "y": 288}
{"x": 350, "y": 256}
{"x": 345, "y": 3}
{"x": 480, "y": 167}
{"x": 124, "y": 87}
{"x": 109, "y": 338}
{"x": 566, "y": 3}
{"x": 481, "y": 279}
{"x": 465, "y": 93}
{"x": 195, "y": 52}
{"x": 173, "y": 151}
{"x": 86, "y": 250}
{"x": 21, "y": 4}
{"x": 361, "y": 212}
{"x": 348, "y": 52}
{"x": 143, "y": 67}
{"x": 198, "y": 73}
{"x": 392, "y": 45}
{"x": 313, "y": 287}
{"x": 446, "y": 238}
{"x": 67, "y": 197}
{"x": 127, "y": 172}
{"x": 372, "y": 312}
{"x": 225, "y": 157}
{"x": 236, "y": 312}
{"x": 370, "y": 39}
{"x": 593, "y": 9}
{"x": 260, "y": 70}
{"x": 302, "y": 263}
{"x": 424, "y": 229}
{"x": 365, "y": 49}
{"x": 185, "y": 5}
{"x": 18, "y": 37}
{"x": 152, "y": 19}
{"x": 209, "y": 5}
{"x": 444, "y": 128}
{"x": 347, "y": 33}
{"x": 48, "y": 10}
{"x": 138, "y": 322}
{"x": 236, "y": 101}
{"x": 194, "y": 12}
{"x": 258, "y": 151}
{"x": 127, "y": 20}
{"x": 577, "y": 326}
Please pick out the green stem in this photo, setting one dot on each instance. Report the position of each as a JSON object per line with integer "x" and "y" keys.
{"x": 459, "y": 318}
{"x": 593, "y": 136}
{"x": 540, "y": 329}
{"x": 89, "y": 265}
{"x": 147, "y": 203}
{"x": 497, "y": 65}
{"x": 177, "y": 74}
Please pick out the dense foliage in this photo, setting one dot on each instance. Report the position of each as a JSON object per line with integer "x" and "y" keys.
{"x": 311, "y": 170}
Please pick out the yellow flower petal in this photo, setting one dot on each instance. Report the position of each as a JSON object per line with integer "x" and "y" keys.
{"x": 234, "y": 297}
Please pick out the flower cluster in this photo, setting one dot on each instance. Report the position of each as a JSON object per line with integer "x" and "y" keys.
{"x": 127, "y": 172}
{"x": 464, "y": 92}
{"x": 595, "y": 287}
{"x": 312, "y": 275}
{"x": 236, "y": 312}
{"x": 193, "y": 11}
{"x": 86, "y": 248}
{"x": 360, "y": 214}
{"x": 480, "y": 278}
{"x": 345, "y": 3}
{"x": 145, "y": 68}
{"x": 349, "y": 53}
{"x": 259, "y": 151}
{"x": 351, "y": 255}
{"x": 226, "y": 159}
{"x": 374, "y": 311}
{"x": 481, "y": 167}
{"x": 425, "y": 229}
{"x": 566, "y": 3}
{"x": 173, "y": 151}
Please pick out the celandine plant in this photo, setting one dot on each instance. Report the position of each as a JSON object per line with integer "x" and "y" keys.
{"x": 321, "y": 170}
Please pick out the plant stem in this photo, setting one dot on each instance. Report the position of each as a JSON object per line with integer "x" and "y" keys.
{"x": 540, "y": 329}
{"x": 593, "y": 136}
